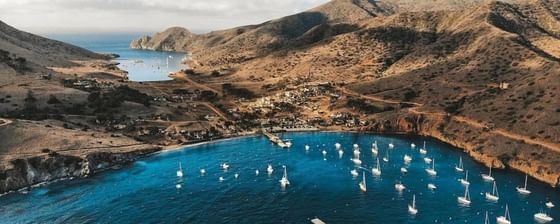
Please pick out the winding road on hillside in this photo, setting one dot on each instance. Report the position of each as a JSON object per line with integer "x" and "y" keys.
{"x": 469, "y": 121}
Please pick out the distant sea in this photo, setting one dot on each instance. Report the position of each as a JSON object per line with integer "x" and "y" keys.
{"x": 142, "y": 65}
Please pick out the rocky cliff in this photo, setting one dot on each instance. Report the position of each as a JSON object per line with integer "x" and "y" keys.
{"x": 26, "y": 172}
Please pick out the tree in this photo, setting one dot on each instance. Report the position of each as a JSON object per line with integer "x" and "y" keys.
{"x": 53, "y": 100}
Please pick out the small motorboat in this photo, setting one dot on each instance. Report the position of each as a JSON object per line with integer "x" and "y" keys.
{"x": 340, "y": 154}
{"x": 202, "y": 172}
{"x": 391, "y": 146}
{"x": 257, "y": 172}
{"x": 432, "y": 187}
{"x": 337, "y": 145}
{"x": 427, "y": 160}
{"x": 354, "y": 173}
{"x": 324, "y": 152}
{"x": 307, "y": 147}
{"x": 549, "y": 204}
{"x": 236, "y": 175}
{"x": 225, "y": 166}
{"x": 412, "y": 145}
{"x": 404, "y": 170}
{"x": 400, "y": 187}
{"x": 221, "y": 179}
{"x": 407, "y": 159}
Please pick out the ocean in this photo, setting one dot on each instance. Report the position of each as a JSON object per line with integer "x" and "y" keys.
{"x": 149, "y": 191}
{"x": 142, "y": 65}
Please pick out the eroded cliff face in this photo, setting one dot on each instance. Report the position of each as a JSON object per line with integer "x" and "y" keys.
{"x": 39, "y": 169}
{"x": 482, "y": 144}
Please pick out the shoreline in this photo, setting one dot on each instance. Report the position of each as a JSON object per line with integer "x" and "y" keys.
{"x": 173, "y": 148}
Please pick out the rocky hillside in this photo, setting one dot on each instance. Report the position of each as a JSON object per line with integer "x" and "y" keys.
{"x": 17, "y": 45}
{"x": 485, "y": 72}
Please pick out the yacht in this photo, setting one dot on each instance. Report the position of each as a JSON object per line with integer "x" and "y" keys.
{"x": 423, "y": 150}
{"x": 180, "y": 171}
{"x": 354, "y": 173}
{"x": 460, "y": 168}
{"x": 524, "y": 190}
{"x": 466, "y": 199}
{"x": 404, "y": 170}
{"x": 363, "y": 186}
{"x": 505, "y": 219}
{"x": 407, "y": 158}
{"x": 400, "y": 187}
{"x": 432, "y": 171}
{"x": 542, "y": 217}
{"x": 376, "y": 170}
{"x": 284, "y": 181}
{"x": 432, "y": 187}
{"x": 488, "y": 177}
{"x": 465, "y": 181}
{"x": 494, "y": 197}
{"x": 412, "y": 207}
{"x": 269, "y": 169}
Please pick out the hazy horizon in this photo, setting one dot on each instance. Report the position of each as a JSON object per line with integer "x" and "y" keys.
{"x": 143, "y": 16}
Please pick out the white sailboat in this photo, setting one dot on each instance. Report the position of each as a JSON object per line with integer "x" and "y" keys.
{"x": 180, "y": 171}
{"x": 337, "y": 145}
{"x": 460, "y": 168}
{"x": 488, "y": 177}
{"x": 427, "y": 160}
{"x": 505, "y": 219}
{"x": 432, "y": 171}
{"x": 549, "y": 204}
{"x": 269, "y": 169}
{"x": 524, "y": 190}
{"x": 284, "y": 181}
{"x": 374, "y": 149}
{"x": 307, "y": 147}
{"x": 202, "y": 172}
{"x": 412, "y": 207}
{"x": 386, "y": 158}
{"x": 221, "y": 179}
{"x": 340, "y": 154}
{"x": 357, "y": 153}
{"x": 466, "y": 199}
{"x": 486, "y": 219}
{"x": 363, "y": 186}
{"x": 542, "y": 217}
{"x": 257, "y": 172}
{"x": 412, "y": 145}
{"x": 354, "y": 173}
{"x": 376, "y": 170}
{"x": 391, "y": 145}
{"x": 407, "y": 158}
{"x": 357, "y": 160}
{"x": 423, "y": 150}
{"x": 432, "y": 187}
{"x": 494, "y": 196}
{"x": 465, "y": 181}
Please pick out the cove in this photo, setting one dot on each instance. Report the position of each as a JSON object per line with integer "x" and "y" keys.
{"x": 321, "y": 186}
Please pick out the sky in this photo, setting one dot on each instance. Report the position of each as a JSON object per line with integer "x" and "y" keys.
{"x": 93, "y": 16}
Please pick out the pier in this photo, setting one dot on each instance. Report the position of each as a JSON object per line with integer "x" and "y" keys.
{"x": 276, "y": 140}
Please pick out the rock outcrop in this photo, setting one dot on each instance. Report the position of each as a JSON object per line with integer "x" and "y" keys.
{"x": 26, "y": 172}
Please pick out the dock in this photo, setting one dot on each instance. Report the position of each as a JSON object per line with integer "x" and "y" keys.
{"x": 276, "y": 140}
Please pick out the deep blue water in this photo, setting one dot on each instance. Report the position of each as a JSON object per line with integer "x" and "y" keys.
{"x": 145, "y": 192}
{"x": 142, "y": 65}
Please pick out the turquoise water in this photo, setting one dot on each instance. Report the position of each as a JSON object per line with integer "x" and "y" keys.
{"x": 146, "y": 191}
{"x": 142, "y": 65}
